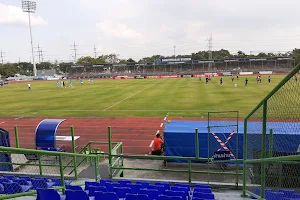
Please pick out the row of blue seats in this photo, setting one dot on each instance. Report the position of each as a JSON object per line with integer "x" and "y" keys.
{"x": 152, "y": 190}
{"x": 51, "y": 194}
{"x": 280, "y": 194}
{"x": 12, "y": 185}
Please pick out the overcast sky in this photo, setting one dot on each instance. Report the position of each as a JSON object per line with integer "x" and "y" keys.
{"x": 140, "y": 28}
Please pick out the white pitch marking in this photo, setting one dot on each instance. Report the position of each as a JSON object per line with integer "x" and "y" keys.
{"x": 151, "y": 143}
{"x": 129, "y": 96}
{"x": 161, "y": 125}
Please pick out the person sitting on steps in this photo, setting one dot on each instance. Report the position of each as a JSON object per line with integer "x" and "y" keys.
{"x": 158, "y": 147}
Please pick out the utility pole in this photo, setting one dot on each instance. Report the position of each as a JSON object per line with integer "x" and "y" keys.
{"x": 74, "y": 51}
{"x": 209, "y": 49}
{"x": 95, "y": 51}
{"x": 174, "y": 53}
{"x": 2, "y": 55}
{"x": 39, "y": 53}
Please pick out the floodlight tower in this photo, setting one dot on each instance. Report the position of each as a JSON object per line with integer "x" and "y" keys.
{"x": 30, "y": 7}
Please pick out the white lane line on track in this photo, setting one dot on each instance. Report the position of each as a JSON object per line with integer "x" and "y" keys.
{"x": 129, "y": 97}
{"x": 161, "y": 125}
{"x": 151, "y": 143}
{"x": 165, "y": 118}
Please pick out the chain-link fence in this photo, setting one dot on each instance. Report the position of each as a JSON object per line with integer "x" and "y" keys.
{"x": 272, "y": 130}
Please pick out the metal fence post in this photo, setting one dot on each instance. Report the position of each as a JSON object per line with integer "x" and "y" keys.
{"x": 271, "y": 143}
{"x": 190, "y": 171}
{"x": 96, "y": 167}
{"x": 237, "y": 149}
{"x": 74, "y": 151}
{"x": 40, "y": 165}
{"x": 245, "y": 156}
{"x": 17, "y": 137}
{"x": 109, "y": 152}
{"x": 62, "y": 173}
{"x": 263, "y": 149}
{"x": 197, "y": 143}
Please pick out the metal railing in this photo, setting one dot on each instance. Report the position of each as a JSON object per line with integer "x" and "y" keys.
{"x": 281, "y": 105}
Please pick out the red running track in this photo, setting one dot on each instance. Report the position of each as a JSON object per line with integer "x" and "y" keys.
{"x": 136, "y": 133}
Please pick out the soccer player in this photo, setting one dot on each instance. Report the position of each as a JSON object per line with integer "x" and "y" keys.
{"x": 221, "y": 81}
{"x": 260, "y": 79}
{"x": 29, "y": 86}
{"x": 237, "y": 77}
{"x": 71, "y": 83}
{"x": 57, "y": 83}
{"x": 269, "y": 79}
{"x": 232, "y": 78}
{"x": 296, "y": 77}
{"x": 246, "y": 82}
{"x": 206, "y": 80}
{"x": 81, "y": 81}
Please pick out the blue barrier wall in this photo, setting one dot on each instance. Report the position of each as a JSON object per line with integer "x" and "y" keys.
{"x": 179, "y": 137}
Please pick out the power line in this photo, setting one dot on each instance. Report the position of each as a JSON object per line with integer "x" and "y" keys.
{"x": 74, "y": 51}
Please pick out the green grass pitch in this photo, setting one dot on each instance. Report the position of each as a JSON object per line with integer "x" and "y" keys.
{"x": 182, "y": 97}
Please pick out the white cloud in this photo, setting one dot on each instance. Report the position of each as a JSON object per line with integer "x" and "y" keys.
{"x": 121, "y": 31}
{"x": 14, "y": 15}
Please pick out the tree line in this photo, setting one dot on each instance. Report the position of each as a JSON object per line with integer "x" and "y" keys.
{"x": 26, "y": 68}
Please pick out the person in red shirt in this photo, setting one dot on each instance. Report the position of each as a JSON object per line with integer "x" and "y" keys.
{"x": 157, "y": 144}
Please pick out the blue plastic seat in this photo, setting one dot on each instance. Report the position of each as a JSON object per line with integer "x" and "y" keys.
{"x": 123, "y": 182}
{"x": 134, "y": 187}
{"x": 49, "y": 194}
{"x": 44, "y": 178}
{"x": 122, "y": 191}
{"x": 136, "y": 197}
{"x": 89, "y": 183}
{"x": 74, "y": 187}
{"x": 184, "y": 189}
{"x": 172, "y": 193}
{"x": 203, "y": 190}
{"x": 27, "y": 178}
{"x": 57, "y": 182}
{"x": 41, "y": 183}
{"x": 110, "y": 186}
{"x": 203, "y": 195}
{"x": 93, "y": 189}
{"x": 9, "y": 177}
{"x": 274, "y": 195}
{"x": 296, "y": 196}
{"x": 161, "y": 189}
{"x": 164, "y": 197}
{"x": 143, "y": 183}
{"x": 166, "y": 185}
{"x": 103, "y": 181}
{"x": 152, "y": 194}
{"x": 12, "y": 188}
{"x": 106, "y": 196}
{"x": 1, "y": 189}
{"x": 5, "y": 180}
{"x": 183, "y": 185}
{"x": 21, "y": 181}
{"x": 76, "y": 195}
{"x": 287, "y": 193}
